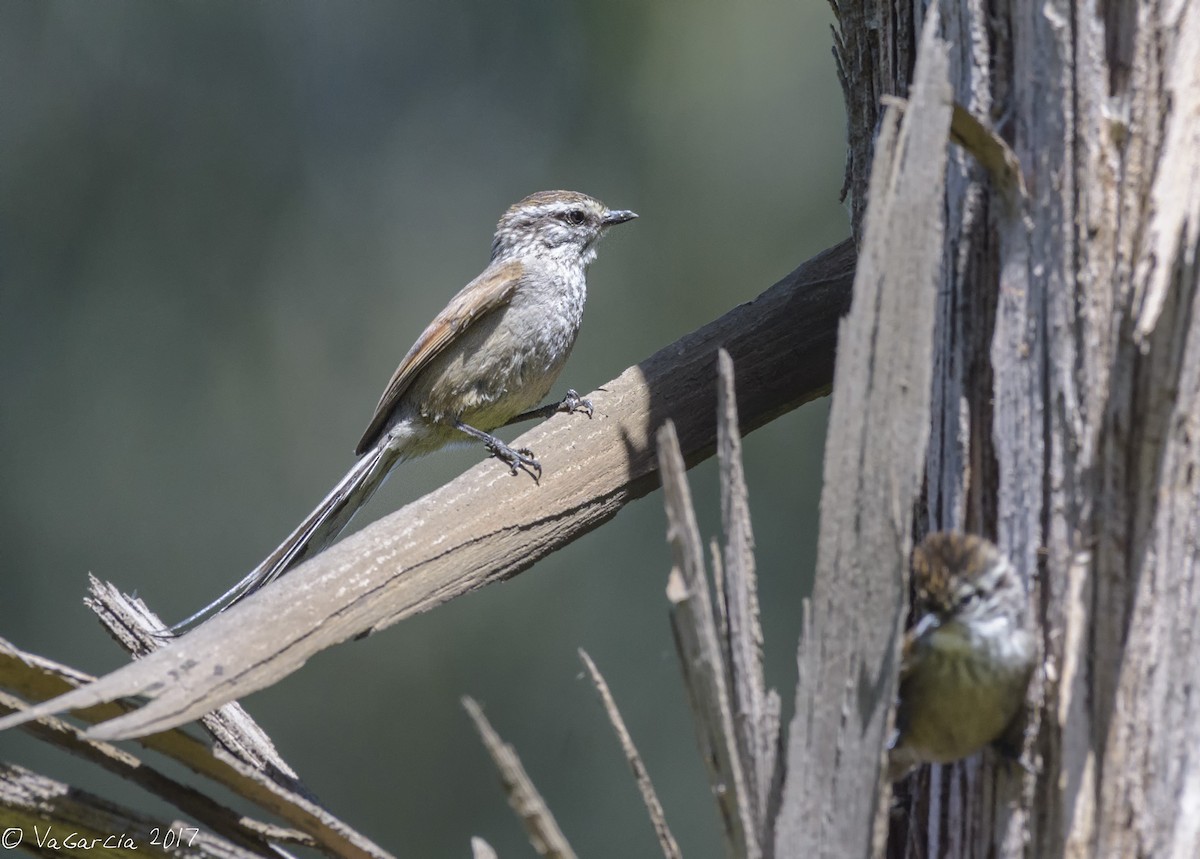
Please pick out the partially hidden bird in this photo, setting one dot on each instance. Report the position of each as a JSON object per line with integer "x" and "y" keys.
{"x": 968, "y": 659}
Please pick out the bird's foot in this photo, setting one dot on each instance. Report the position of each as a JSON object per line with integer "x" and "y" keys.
{"x": 570, "y": 404}
{"x": 573, "y": 403}
{"x": 517, "y": 459}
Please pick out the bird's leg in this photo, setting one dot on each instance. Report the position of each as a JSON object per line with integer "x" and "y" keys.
{"x": 570, "y": 404}
{"x": 516, "y": 459}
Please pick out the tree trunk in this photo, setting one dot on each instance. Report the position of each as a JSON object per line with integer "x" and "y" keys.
{"x": 1065, "y": 407}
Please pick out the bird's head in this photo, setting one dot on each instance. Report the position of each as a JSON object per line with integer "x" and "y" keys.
{"x": 564, "y": 224}
{"x": 963, "y": 577}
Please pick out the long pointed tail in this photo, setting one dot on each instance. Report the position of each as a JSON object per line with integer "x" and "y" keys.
{"x": 320, "y": 528}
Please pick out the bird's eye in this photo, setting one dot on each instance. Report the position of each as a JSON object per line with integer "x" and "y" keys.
{"x": 575, "y": 217}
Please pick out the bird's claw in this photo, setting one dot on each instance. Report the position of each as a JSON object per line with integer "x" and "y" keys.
{"x": 572, "y": 403}
{"x": 519, "y": 459}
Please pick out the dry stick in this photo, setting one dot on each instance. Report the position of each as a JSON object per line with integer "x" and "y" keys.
{"x": 545, "y": 836}
{"x": 718, "y": 594}
{"x": 29, "y": 800}
{"x": 486, "y": 526}
{"x": 223, "y": 821}
{"x": 665, "y": 839}
{"x": 756, "y": 710}
{"x": 136, "y": 628}
{"x": 700, "y": 654}
{"x": 139, "y": 630}
{"x": 34, "y": 677}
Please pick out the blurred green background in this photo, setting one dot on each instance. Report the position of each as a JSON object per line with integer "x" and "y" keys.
{"x": 223, "y": 223}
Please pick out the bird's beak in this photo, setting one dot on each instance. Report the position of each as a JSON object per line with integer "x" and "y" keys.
{"x": 927, "y": 624}
{"x": 617, "y": 216}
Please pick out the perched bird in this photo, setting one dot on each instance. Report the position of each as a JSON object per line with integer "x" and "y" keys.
{"x": 487, "y": 359}
{"x": 967, "y": 661}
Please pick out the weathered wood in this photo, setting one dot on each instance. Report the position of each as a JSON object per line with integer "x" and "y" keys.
{"x": 702, "y": 658}
{"x": 137, "y": 629}
{"x": 216, "y": 818}
{"x": 720, "y": 639}
{"x": 480, "y": 849}
{"x": 37, "y": 678}
{"x": 755, "y": 707}
{"x": 47, "y": 818}
{"x": 1066, "y": 410}
{"x": 833, "y": 804}
{"x": 872, "y": 53}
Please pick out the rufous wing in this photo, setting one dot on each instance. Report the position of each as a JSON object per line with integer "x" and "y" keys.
{"x": 492, "y": 290}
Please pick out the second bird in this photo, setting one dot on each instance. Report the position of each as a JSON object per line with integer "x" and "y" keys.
{"x": 488, "y": 358}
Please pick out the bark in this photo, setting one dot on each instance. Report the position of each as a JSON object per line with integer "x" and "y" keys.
{"x": 1066, "y": 406}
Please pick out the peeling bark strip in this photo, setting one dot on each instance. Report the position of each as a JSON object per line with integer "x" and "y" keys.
{"x": 874, "y": 457}
{"x": 702, "y": 658}
{"x": 484, "y": 526}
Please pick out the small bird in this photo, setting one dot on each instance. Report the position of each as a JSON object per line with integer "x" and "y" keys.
{"x": 967, "y": 661}
{"x": 484, "y": 362}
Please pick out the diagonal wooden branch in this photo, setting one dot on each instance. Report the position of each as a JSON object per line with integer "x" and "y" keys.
{"x": 218, "y": 819}
{"x": 136, "y": 628}
{"x": 484, "y": 526}
{"x": 36, "y": 678}
{"x": 33, "y": 804}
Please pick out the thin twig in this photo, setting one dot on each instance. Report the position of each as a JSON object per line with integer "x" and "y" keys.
{"x": 545, "y": 836}
{"x": 665, "y": 839}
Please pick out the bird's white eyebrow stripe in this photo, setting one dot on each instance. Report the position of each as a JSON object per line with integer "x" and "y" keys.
{"x": 555, "y": 208}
